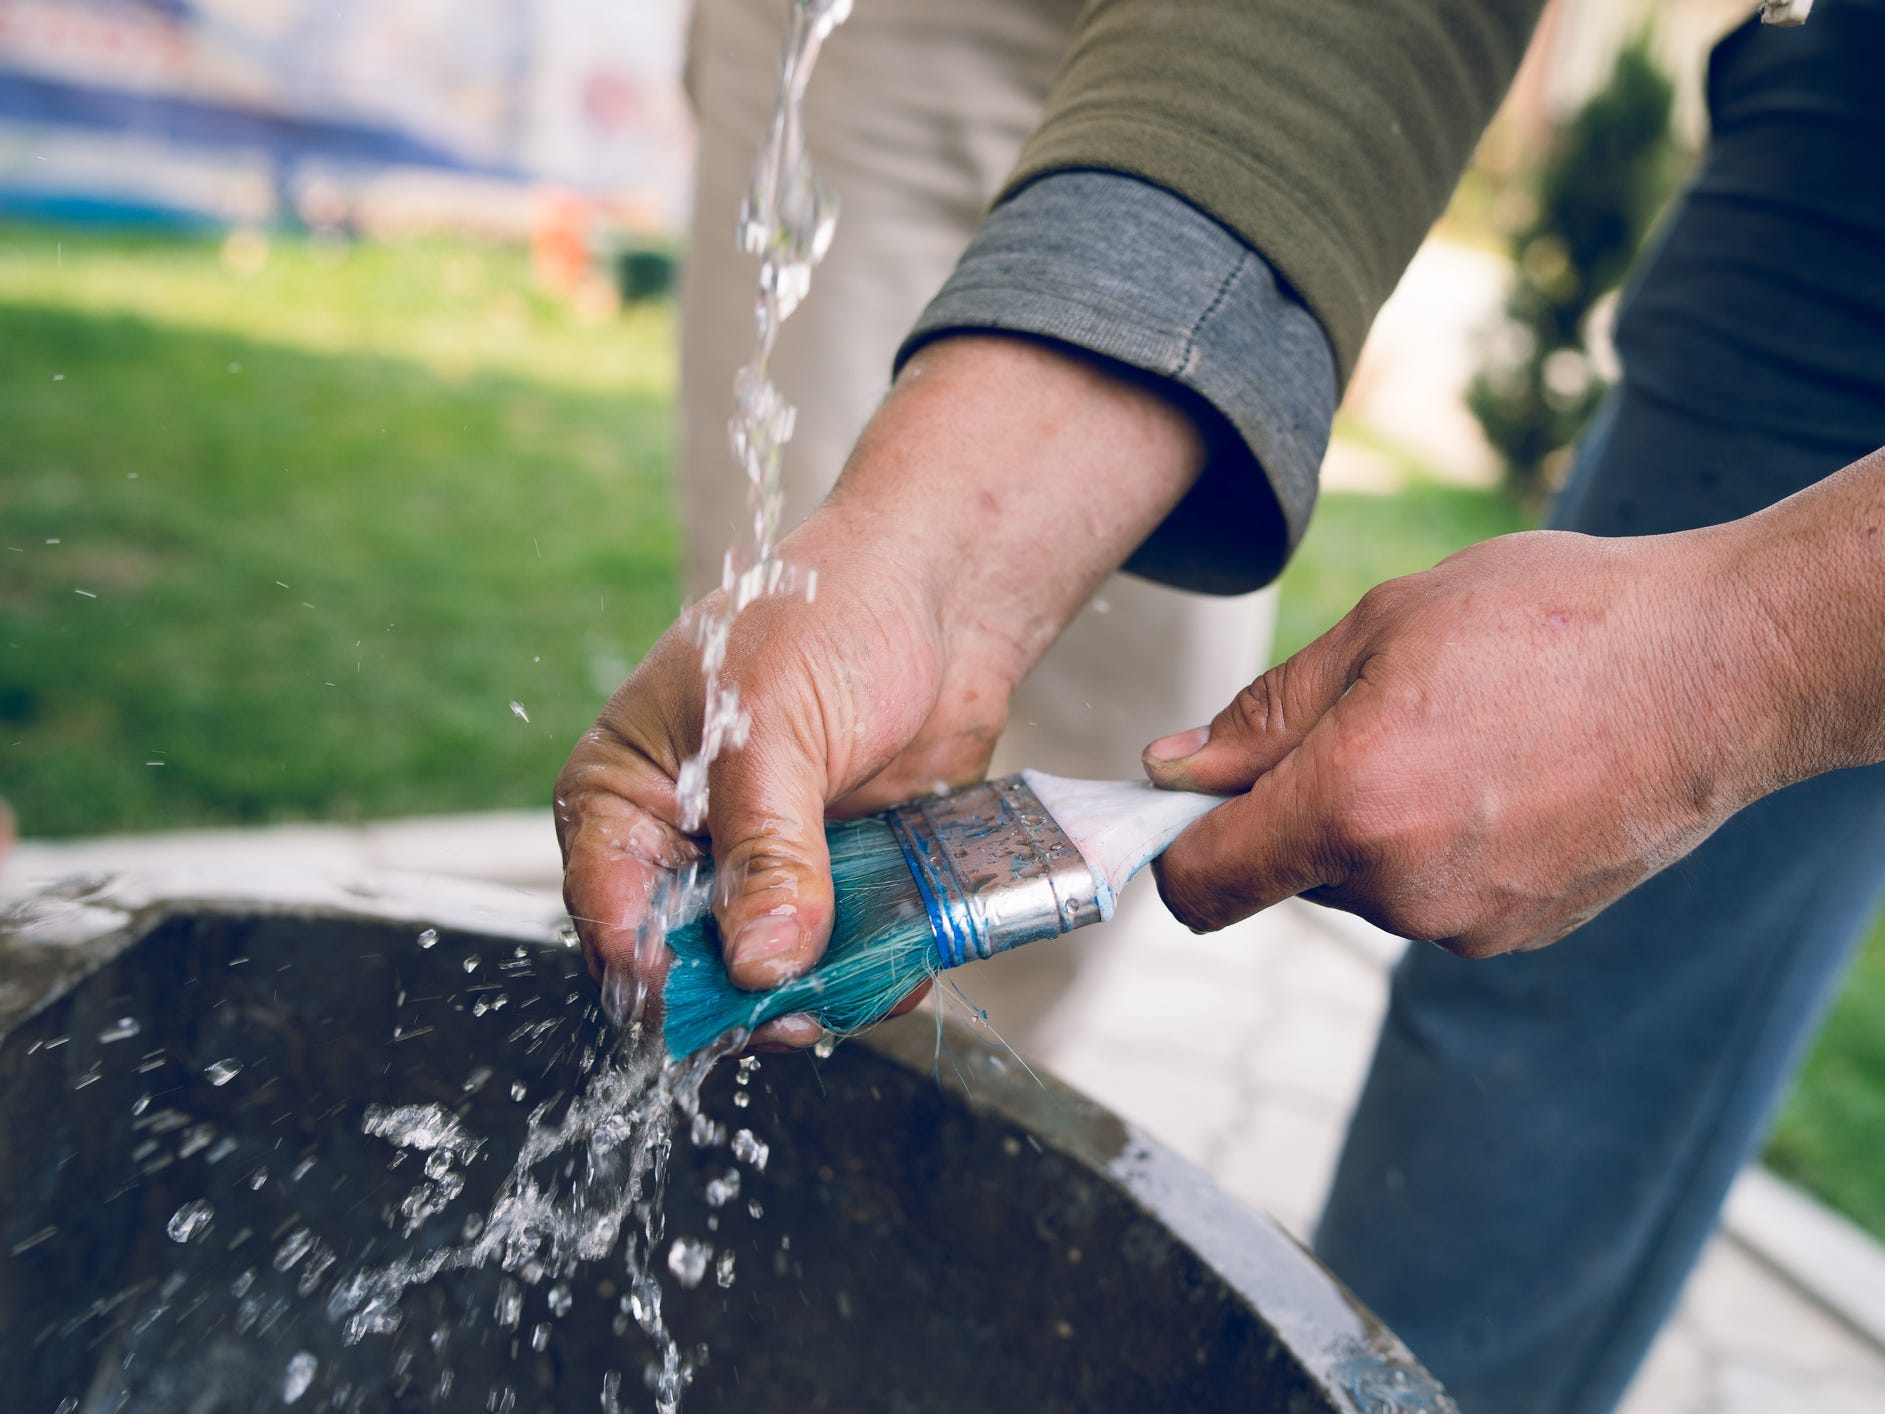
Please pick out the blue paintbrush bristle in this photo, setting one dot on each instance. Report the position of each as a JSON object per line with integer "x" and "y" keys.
{"x": 882, "y": 947}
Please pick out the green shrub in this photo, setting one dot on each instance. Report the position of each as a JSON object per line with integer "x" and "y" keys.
{"x": 1593, "y": 200}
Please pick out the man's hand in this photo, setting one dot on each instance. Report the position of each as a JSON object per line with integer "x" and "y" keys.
{"x": 1000, "y": 483}
{"x": 1487, "y": 754}
{"x": 856, "y": 702}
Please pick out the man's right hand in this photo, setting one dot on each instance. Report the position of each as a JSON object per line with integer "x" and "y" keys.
{"x": 1000, "y": 483}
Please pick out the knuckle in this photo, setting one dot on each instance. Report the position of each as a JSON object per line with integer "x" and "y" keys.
{"x": 1187, "y": 898}
{"x": 763, "y": 864}
{"x": 1359, "y": 829}
{"x": 1384, "y": 600}
{"x": 1256, "y": 710}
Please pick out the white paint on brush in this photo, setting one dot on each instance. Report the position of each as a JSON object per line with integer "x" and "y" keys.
{"x": 1118, "y": 826}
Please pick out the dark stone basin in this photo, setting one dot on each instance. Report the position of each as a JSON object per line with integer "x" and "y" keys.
{"x": 1021, "y": 1249}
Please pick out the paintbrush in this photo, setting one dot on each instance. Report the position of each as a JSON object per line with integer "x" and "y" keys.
{"x": 933, "y": 884}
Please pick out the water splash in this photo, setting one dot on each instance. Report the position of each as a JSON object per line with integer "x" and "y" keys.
{"x": 548, "y": 1216}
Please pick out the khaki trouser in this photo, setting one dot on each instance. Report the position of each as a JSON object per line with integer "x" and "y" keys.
{"x": 914, "y": 117}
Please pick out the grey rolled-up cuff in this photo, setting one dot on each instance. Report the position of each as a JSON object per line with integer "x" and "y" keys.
{"x": 1123, "y": 269}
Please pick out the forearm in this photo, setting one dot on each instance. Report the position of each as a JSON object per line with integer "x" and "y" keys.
{"x": 1119, "y": 268}
{"x": 1810, "y": 573}
{"x": 1007, "y": 477}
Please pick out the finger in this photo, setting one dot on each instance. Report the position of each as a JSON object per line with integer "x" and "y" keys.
{"x": 797, "y": 1031}
{"x": 786, "y": 1033}
{"x": 1262, "y": 725}
{"x": 912, "y": 1001}
{"x": 773, "y": 894}
{"x": 616, "y": 856}
{"x": 1256, "y": 849}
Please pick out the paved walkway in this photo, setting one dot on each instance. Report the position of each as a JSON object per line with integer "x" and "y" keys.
{"x": 1244, "y": 1052}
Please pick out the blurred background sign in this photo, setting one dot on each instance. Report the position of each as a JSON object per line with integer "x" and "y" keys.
{"x": 373, "y": 114}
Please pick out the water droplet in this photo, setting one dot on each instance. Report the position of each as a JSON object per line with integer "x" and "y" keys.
{"x": 517, "y": 711}
{"x": 750, "y": 1149}
{"x": 189, "y": 1220}
{"x": 518, "y": 1090}
{"x": 723, "y": 1190}
{"x": 510, "y": 1304}
{"x": 723, "y": 1269}
{"x": 824, "y": 1046}
{"x": 471, "y": 962}
{"x": 560, "y": 1300}
{"x": 123, "y": 1029}
{"x": 293, "y": 1249}
{"x": 429, "y": 937}
{"x": 706, "y": 1132}
{"x": 568, "y": 936}
{"x": 611, "y": 1392}
{"x": 540, "y": 1337}
{"x": 300, "y": 1375}
{"x": 755, "y": 1210}
{"x": 741, "y": 1099}
{"x": 687, "y": 1259}
{"x": 220, "y": 1073}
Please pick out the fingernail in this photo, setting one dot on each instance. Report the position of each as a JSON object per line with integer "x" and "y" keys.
{"x": 1178, "y": 745}
{"x": 764, "y": 945}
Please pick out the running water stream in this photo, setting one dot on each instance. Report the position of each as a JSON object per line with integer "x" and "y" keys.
{"x": 787, "y": 221}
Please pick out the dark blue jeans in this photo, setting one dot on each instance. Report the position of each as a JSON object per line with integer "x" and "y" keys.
{"x": 1545, "y": 1139}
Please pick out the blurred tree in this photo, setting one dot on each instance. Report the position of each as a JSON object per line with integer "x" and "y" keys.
{"x": 1593, "y": 200}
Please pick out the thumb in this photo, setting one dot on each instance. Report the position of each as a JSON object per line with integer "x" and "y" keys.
{"x": 1256, "y": 849}
{"x": 773, "y": 895}
{"x": 1262, "y": 725}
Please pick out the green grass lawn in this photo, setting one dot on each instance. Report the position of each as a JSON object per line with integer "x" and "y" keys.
{"x": 289, "y": 545}
{"x": 1831, "y": 1134}
{"x": 330, "y": 520}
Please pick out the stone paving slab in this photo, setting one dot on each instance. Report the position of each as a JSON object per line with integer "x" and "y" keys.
{"x": 1244, "y": 1051}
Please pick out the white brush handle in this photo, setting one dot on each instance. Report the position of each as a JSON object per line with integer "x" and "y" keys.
{"x": 1118, "y": 826}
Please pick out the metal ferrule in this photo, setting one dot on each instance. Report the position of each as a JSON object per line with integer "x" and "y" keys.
{"x": 994, "y": 869}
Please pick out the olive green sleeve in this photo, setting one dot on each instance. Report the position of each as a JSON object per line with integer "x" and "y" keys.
{"x": 1328, "y": 134}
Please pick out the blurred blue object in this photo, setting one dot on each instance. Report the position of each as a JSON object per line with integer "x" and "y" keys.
{"x": 257, "y": 111}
